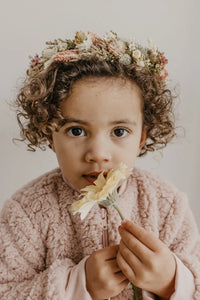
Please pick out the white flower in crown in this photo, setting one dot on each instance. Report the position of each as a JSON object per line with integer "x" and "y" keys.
{"x": 87, "y": 43}
{"x": 62, "y": 46}
{"x": 150, "y": 42}
{"x": 132, "y": 45}
{"x": 125, "y": 59}
{"x": 141, "y": 63}
{"x": 49, "y": 52}
{"x": 103, "y": 191}
{"x": 152, "y": 46}
{"x": 109, "y": 36}
{"x": 49, "y": 61}
{"x": 136, "y": 54}
{"x": 148, "y": 62}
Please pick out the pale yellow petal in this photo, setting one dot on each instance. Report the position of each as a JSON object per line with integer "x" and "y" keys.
{"x": 84, "y": 209}
{"x": 78, "y": 204}
{"x": 100, "y": 181}
{"x": 89, "y": 189}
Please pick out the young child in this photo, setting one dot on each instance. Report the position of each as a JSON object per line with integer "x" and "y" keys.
{"x": 97, "y": 102}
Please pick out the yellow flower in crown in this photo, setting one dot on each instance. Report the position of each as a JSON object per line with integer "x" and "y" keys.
{"x": 103, "y": 191}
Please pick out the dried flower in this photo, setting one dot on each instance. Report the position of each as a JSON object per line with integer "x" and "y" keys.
{"x": 136, "y": 54}
{"x": 62, "y": 46}
{"x": 34, "y": 61}
{"x": 110, "y": 36}
{"x": 132, "y": 45}
{"x": 153, "y": 47}
{"x": 163, "y": 74}
{"x": 125, "y": 59}
{"x": 141, "y": 63}
{"x": 66, "y": 55}
{"x": 49, "y": 52}
{"x": 117, "y": 47}
{"x": 109, "y": 48}
{"x": 95, "y": 38}
{"x": 80, "y": 37}
{"x": 164, "y": 60}
{"x": 86, "y": 44}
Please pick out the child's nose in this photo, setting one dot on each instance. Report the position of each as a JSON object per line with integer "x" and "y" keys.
{"x": 98, "y": 151}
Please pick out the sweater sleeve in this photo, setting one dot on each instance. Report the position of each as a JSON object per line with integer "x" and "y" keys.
{"x": 23, "y": 274}
{"x": 182, "y": 237}
{"x": 184, "y": 282}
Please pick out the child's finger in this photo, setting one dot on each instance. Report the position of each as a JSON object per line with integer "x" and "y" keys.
{"x": 125, "y": 267}
{"x": 109, "y": 253}
{"x": 121, "y": 280}
{"x": 120, "y": 277}
{"x": 136, "y": 247}
{"x": 113, "y": 265}
{"x": 129, "y": 256}
{"x": 144, "y": 236}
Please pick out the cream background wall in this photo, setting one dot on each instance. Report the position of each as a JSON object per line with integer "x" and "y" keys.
{"x": 173, "y": 25}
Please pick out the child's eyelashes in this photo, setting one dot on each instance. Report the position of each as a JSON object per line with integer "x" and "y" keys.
{"x": 120, "y": 132}
{"x": 76, "y": 131}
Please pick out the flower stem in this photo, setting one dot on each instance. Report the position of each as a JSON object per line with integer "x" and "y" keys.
{"x": 133, "y": 287}
{"x": 119, "y": 211}
{"x": 135, "y": 292}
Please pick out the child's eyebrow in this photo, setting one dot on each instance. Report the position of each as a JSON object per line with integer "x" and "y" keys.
{"x": 72, "y": 120}
{"x": 116, "y": 122}
{"x": 123, "y": 121}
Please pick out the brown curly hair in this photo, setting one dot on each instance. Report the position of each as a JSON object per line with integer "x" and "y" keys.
{"x": 38, "y": 102}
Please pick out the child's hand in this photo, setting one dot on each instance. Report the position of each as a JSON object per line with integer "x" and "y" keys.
{"x": 145, "y": 260}
{"x": 104, "y": 279}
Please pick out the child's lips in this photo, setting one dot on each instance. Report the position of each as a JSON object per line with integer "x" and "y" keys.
{"x": 91, "y": 177}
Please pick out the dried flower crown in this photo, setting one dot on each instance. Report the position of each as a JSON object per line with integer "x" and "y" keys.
{"x": 109, "y": 48}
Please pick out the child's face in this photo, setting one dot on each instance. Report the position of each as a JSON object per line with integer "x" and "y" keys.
{"x": 104, "y": 128}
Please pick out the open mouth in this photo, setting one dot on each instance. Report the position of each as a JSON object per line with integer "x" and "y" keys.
{"x": 91, "y": 177}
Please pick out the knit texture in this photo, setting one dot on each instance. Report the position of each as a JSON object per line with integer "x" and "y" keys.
{"x": 41, "y": 241}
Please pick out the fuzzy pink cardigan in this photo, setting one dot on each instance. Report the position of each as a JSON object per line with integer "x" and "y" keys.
{"x": 43, "y": 247}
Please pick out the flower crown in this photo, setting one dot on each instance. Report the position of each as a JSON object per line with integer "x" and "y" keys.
{"x": 108, "y": 48}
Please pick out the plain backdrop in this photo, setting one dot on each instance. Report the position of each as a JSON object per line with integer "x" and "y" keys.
{"x": 172, "y": 25}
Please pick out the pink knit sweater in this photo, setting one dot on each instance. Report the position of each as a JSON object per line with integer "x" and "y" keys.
{"x": 43, "y": 247}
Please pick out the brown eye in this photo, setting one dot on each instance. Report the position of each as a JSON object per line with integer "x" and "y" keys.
{"x": 76, "y": 131}
{"x": 120, "y": 132}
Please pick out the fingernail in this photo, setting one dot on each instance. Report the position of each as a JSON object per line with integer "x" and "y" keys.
{"x": 119, "y": 227}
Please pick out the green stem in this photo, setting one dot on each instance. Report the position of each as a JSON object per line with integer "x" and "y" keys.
{"x": 135, "y": 292}
{"x": 119, "y": 211}
{"x": 133, "y": 287}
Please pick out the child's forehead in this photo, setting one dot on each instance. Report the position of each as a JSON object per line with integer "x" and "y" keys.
{"x": 105, "y": 84}
{"x": 107, "y": 100}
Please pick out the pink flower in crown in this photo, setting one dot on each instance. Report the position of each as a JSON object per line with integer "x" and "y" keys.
{"x": 35, "y": 61}
{"x": 66, "y": 55}
{"x": 117, "y": 47}
{"x": 95, "y": 38}
{"x": 164, "y": 60}
{"x": 163, "y": 74}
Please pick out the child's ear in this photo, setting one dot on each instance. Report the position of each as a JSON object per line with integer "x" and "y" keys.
{"x": 143, "y": 139}
{"x": 51, "y": 144}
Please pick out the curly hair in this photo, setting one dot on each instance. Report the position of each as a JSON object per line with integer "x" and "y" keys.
{"x": 38, "y": 102}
